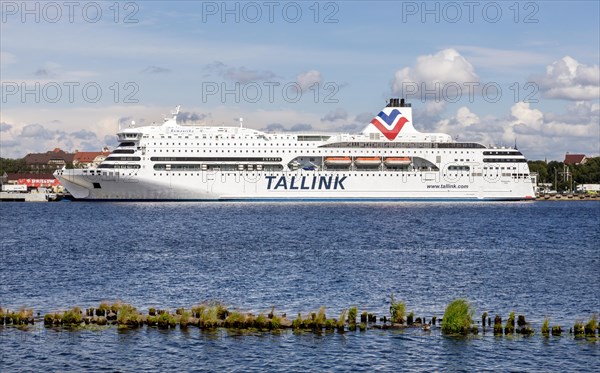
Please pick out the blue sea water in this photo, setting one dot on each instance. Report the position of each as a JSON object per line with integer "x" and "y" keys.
{"x": 540, "y": 259}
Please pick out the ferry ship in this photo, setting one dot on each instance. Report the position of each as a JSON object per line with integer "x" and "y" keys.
{"x": 388, "y": 160}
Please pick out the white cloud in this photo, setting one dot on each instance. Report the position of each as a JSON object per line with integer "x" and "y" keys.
{"x": 538, "y": 134}
{"x": 446, "y": 66}
{"x": 307, "y": 79}
{"x": 501, "y": 58}
{"x": 240, "y": 74}
{"x": 570, "y": 80}
{"x": 337, "y": 114}
{"x": 7, "y": 58}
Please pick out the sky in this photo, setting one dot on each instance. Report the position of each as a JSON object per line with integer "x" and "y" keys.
{"x": 499, "y": 73}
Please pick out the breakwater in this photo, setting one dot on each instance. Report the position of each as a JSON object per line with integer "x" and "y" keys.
{"x": 568, "y": 197}
{"x": 215, "y": 315}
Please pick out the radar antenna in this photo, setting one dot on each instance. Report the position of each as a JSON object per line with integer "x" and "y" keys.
{"x": 176, "y": 111}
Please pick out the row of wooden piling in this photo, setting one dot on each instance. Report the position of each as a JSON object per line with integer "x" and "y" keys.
{"x": 216, "y": 315}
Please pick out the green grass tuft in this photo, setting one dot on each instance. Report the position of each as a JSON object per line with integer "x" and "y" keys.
{"x": 72, "y": 316}
{"x": 235, "y": 320}
{"x": 590, "y": 326}
{"x": 458, "y": 317}
{"x": 342, "y": 321}
{"x": 297, "y": 323}
{"x": 261, "y": 322}
{"x": 397, "y": 310}
{"x": 320, "y": 318}
{"x": 275, "y": 321}
{"x": 546, "y": 327}
{"x": 352, "y": 313}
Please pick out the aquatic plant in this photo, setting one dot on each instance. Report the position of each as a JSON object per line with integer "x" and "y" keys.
{"x": 275, "y": 321}
{"x": 497, "y": 325}
{"x": 342, "y": 321}
{"x": 320, "y": 318}
{"x": 221, "y": 311}
{"x": 249, "y": 320}
{"x": 578, "y": 328}
{"x": 362, "y": 327}
{"x": 72, "y": 316}
{"x": 509, "y": 328}
{"x": 483, "y": 318}
{"x": 330, "y": 324}
{"x": 235, "y": 320}
{"x": 352, "y": 313}
{"x": 546, "y": 327}
{"x": 397, "y": 310}
{"x": 102, "y": 309}
{"x": 166, "y": 320}
{"x": 365, "y": 317}
{"x": 207, "y": 315}
{"x": 458, "y": 317}
{"x": 297, "y": 323}
{"x": 261, "y": 322}
{"x": 128, "y": 316}
{"x": 23, "y": 316}
{"x": 48, "y": 319}
{"x": 556, "y": 330}
{"x": 410, "y": 318}
{"x": 116, "y": 306}
{"x": 152, "y": 320}
{"x": 198, "y": 310}
{"x": 591, "y": 325}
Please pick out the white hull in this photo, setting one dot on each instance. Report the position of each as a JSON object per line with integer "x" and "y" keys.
{"x": 305, "y": 185}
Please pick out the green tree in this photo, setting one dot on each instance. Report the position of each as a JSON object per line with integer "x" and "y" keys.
{"x": 13, "y": 165}
{"x": 541, "y": 168}
{"x": 588, "y": 173}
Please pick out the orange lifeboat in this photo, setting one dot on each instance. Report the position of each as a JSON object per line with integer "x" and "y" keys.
{"x": 397, "y": 161}
{"x": 368, "y": 161}
{"x": 338, "y": 161}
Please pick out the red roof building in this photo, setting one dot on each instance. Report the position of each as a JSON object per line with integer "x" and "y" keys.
{"x": 574, "y": 159}
{"x": 49, "y": 161}
{"x": 87, "y": 159}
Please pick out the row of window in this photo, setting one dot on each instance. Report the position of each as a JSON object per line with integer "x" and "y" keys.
{"x": 296, "y": 151}
{"x": 500, "y": 152}
{"x": 130, "y": 166}
{"x": 493, "y": 176}
{"x": 505, "y": 160}
{"x": 214, "y": 159}
{"x": 460, "y": 145}
{"x": 127, "y": 159}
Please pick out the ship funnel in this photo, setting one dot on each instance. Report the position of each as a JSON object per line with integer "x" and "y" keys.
{"x": 393, "y": 121}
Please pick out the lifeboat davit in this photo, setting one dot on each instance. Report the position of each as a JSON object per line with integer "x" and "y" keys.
{"x": 368, "y": 161}
{"x": 397, "y": 161}
{"x": 338, "y": 161}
